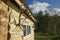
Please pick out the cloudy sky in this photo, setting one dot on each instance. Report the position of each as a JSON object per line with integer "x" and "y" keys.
{"x": 37, "y": 5}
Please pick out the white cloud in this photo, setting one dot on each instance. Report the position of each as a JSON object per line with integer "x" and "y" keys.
{"x": 37, "y": 6}
{"x": 56, "y": 11}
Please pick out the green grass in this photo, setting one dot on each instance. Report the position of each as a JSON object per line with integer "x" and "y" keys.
{"x": 39, "y": 37}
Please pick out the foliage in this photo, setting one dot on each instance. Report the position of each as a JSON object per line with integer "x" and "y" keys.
{"x": 47, "y": 24}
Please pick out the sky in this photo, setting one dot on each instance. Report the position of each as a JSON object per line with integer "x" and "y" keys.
{"x": 54, "y": 3}
{"x": 37, "y": 5}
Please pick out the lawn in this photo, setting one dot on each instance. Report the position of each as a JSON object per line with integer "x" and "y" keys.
{"x": 39, "y": 37}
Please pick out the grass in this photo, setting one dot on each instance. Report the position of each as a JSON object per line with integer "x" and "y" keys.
{"x": 40, "y": 37}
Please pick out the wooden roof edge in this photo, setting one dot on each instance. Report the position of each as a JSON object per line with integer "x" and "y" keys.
{"x": 27, "y": 8}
